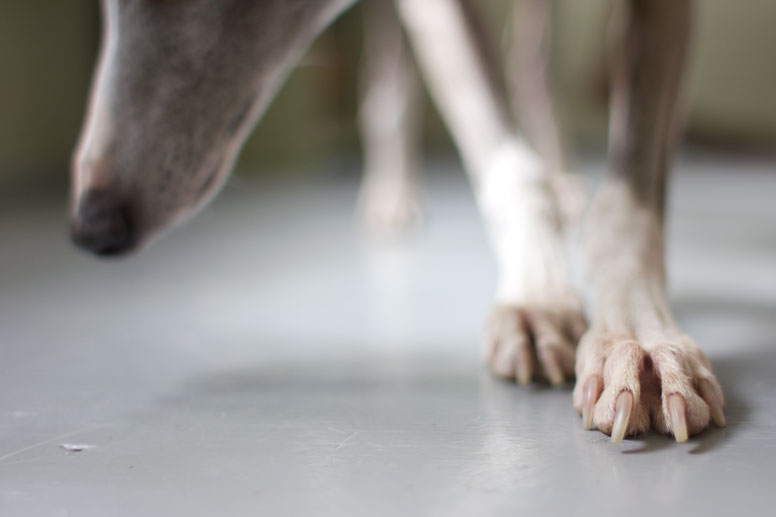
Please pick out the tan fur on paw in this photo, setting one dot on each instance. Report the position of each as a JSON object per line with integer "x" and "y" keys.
{"x": 625, "y": 388}
{"x": 389, "y": 208}
{"x": 524, "y": 342}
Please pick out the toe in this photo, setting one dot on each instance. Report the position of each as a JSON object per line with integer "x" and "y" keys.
{"x": 711, "y": 393}
{"x": 684, "y": 412}
{"x": 508, "y": 346}
{"x": 504, "y": 360}
{"x": 553, "y": 349}
{"x": 590, "y": 371}
{"x": 622, "y": 372}
{"x": 589, "y": 393}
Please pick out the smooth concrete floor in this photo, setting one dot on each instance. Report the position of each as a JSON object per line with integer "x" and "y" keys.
{"x": 264, "y": 359}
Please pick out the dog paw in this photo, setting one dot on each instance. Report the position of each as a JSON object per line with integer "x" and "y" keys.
{"x": 526, "y": 342}
{"x": 388, "y": 209}
{"x": 625, "y": 388}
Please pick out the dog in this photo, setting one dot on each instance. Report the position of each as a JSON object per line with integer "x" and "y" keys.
{"x": 179, "y": 85}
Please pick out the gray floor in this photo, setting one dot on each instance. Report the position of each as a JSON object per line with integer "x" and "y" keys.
{"x": 264, "y": 360}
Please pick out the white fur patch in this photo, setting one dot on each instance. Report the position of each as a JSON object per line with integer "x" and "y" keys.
{"x": 523, "y": 221}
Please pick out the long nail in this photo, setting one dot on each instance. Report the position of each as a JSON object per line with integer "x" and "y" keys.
{"x": 715, "y": 406}
{"x": 623, "y": 406}
{"x": 589, "y": 397}
{"x": 554, "y": 373}
{"x": 677, "y": 413}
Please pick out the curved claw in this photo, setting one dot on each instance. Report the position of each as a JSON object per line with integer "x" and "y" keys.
{"x": 715, "y": 406}
{"x": 623, "y": 408}
{"x": 552, "y": 369}
{"x": 677, "y": 414}
{"x": 590, "y": 395}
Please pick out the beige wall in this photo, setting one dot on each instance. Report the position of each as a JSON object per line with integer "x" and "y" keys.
{"x": 47, "y": 48}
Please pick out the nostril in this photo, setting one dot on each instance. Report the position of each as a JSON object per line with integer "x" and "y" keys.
{"x": 102, "y": 224}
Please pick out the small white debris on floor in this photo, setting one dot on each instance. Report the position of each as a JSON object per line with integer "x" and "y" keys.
{"x": 75, "y": 447}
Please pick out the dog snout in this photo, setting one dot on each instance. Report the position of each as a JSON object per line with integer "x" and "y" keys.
{"x": 103, "y": 224}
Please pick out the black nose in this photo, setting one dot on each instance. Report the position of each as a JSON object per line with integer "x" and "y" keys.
{"x": 102, "y": 224}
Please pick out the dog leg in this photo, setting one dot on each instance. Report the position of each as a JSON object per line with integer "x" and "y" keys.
{"x": 388, "y": 199}
{"x": 635, "y": 368}
{"x": 538, "y": 316}
{"x": 532, "y": 100}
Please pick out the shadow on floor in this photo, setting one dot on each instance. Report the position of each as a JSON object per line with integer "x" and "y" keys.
{"x": 306, "y": 384}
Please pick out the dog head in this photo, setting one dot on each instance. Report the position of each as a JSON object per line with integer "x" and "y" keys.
{"x": 178, "y": 86}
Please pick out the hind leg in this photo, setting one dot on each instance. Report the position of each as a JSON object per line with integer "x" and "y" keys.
{"x": 389, "y": 119}
{"x": 537, "y": 316}
{"x": 635, "y": 369}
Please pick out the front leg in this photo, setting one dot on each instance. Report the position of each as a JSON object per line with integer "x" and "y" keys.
{"x": 635, "y": 369}
{"x": 538, "y": 318}
{"x": 538, "y": 315}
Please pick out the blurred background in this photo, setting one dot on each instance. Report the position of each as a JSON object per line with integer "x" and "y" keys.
{"x": 266, "y": 360}
{"x": 48, "y": 47}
